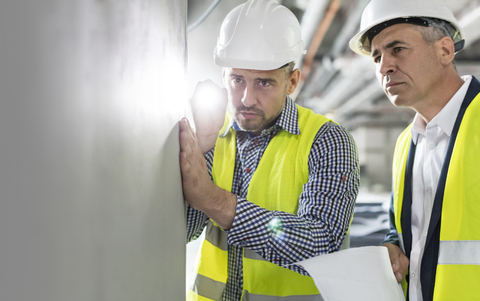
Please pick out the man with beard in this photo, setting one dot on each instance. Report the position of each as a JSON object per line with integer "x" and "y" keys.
{"x": 284, "y": 179}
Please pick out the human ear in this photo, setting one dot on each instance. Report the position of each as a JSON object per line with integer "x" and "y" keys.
{"x": 293, "y": 81}
{"x": 223, "y": 77}
{"x": 445, "y": 50}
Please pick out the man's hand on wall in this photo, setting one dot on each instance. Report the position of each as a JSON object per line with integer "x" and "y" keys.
{"x": 198, "y": 189}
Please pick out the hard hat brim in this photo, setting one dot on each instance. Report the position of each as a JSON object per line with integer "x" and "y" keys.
{"x": 381, "y": 11}
{"x": 254, "y": 65}
{"x": 356, "y": 44}
{"x": 246, "y": 65}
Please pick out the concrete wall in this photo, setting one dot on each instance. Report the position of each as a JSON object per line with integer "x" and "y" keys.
{"x": 91, "y": 93}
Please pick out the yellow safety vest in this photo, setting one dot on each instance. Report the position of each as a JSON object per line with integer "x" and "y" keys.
{"x": 458, "y": 264}
{"x": 275, "y": 185}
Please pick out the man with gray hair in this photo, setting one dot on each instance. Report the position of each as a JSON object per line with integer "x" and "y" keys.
{"x": 434, "y": 239}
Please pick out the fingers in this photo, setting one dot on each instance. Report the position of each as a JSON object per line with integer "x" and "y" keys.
{"x": 398, "y": 275}
{"x": 195, "y": 177}
{"x": 404, "y": 263}
{"x": 187, "y": 136}
{"x": 187, "y": 145}
{"x": 398, "y": 260}
{"x": 395, "y": 267}
{"x": 183, "y": 125}
{"x": 190, "y": 155}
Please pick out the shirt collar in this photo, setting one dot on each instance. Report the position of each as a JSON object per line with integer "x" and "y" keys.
{"x": 287, "y": 120}
{"x": 445, "y": 119}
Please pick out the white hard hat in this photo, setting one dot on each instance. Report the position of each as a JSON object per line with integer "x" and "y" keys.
{"x": 380, "y": 14}
{"x": 260, "y": 35}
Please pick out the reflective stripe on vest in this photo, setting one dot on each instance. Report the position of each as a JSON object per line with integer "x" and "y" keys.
{"x": 459, "y": 252}
{"x": 209, "y": 289}
{"x": 280, "y": 175}
{"x": 458, "y": 269}
{"x": 216, "y": 236}
{"x": 247, "y": 296}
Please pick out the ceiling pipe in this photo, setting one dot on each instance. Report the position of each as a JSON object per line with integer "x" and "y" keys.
{"x": 348, "y": 30}
{"x": 316, "y": 42}
{"x": 470, "y": 24}
{"x": 311, "y": 18}
{"x": 319, "y": 35}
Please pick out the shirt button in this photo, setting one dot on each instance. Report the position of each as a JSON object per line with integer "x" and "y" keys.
{"x": 247, "y": 170}
{"x": 425, "y": 234}
{"x": 256, "y": 141}
{"x": 430, "y": 146}
{"x": 413, "y": 275}
{"x": 427, "y": 189}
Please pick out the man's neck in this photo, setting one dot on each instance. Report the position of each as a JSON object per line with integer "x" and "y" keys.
{"x": 430, "y": 108}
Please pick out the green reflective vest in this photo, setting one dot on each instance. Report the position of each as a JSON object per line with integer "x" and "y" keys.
{"x": 275, "y": 185}
{"x": 453, "y": 241}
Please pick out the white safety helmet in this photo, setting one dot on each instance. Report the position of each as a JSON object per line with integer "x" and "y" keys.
{"x": 259, "y": 35}
{"x": 380, "y": 14}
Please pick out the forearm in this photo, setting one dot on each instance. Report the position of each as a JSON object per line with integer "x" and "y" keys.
{"x": 325, "y": 207}
{"x": 206, "y": 141}
{"x": 392, "y": 235}
{"x": 221, "y": 206}
{"x": 196, "y": 218}
{"x": 392, "y": 238}
{"x": 277, "y": 236}
{"x": 282, "y": 238}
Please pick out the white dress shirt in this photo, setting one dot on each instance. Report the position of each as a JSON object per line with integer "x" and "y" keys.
{"x": 432, "y": 141}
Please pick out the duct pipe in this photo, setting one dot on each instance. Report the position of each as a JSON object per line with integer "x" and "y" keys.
{"x": 316, "y": 42}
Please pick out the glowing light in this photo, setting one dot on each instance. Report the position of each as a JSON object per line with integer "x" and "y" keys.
{"x": 208, "y": 96}
{"x": 275, "y": 223}
{"x": 280, "y": 234}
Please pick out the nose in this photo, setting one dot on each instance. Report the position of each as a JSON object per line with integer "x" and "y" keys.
{"x": 249, "y": 97}
{"x": 386, "y": 65}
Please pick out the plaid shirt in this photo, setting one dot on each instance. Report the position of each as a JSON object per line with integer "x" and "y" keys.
{"x": 325, "y": 205}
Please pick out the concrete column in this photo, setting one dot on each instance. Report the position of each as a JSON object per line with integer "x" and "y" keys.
{"x": 91, "y": 199}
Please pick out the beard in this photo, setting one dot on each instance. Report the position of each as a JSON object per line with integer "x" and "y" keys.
{"x": 257, "y": 124}
{"x": 260, "y": 122}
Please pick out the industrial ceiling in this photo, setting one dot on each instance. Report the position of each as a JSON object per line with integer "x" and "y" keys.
{"x": 336, "y": 82}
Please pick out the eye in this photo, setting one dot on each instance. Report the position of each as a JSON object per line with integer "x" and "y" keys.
{"x": 237, "y": 80}
{"x": 264, "y": 83}
{"x": 377, "y": 59}
{"x": 398, "y": 49}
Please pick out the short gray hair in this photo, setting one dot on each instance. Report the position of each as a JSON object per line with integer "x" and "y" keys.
{"x": 431, "y": 34}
